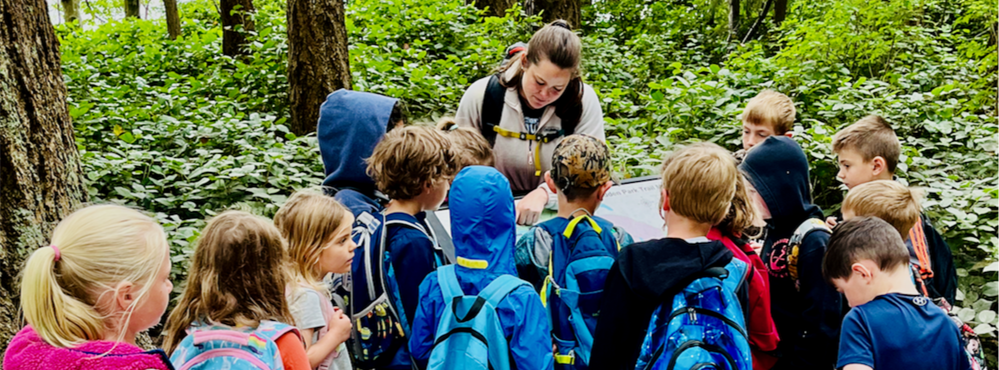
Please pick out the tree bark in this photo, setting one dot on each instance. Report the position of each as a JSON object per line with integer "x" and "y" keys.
{"x": 70, "y": 10}
{"x": 237, "y": 18}
{"x": 780, "y": 11}
{"x": 132, "y": 8}
{"x": 40, "y": 173}
{"x": 558, "y": 9}
{"x": 318, "y": 61}
{"x": 497, "y": 8}
{"x": 759, "y": 19}
{"x": 733, "y": 19}
{"x": 172, "y": 18}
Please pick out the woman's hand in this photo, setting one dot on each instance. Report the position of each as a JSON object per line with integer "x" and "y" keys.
{"x": 529, "y": 208}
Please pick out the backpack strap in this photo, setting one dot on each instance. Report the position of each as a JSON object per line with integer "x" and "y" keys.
{"x": 501, "y": 287}
{"x": 492, "y": 109}
{"x": 918, "y": 239}
{"x": 448, "y": 280}
{"x": 428, "y": 232}
{"x": 802, "y": 232}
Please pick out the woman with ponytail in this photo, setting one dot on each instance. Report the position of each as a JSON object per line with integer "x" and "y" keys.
{"x": 536, "y": 98}
{"x": 104, "y": 278}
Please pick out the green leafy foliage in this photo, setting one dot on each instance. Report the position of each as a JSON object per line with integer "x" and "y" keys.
{"x": 178, "y": 129}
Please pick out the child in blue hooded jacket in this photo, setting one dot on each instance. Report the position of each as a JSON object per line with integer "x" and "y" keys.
{"x": 483, "y": 232}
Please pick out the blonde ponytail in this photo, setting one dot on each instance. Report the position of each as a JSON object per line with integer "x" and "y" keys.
{"x": 98, "y": 247}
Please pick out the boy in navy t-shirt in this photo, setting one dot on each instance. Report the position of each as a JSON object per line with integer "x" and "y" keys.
{"x": 890, "y": 326}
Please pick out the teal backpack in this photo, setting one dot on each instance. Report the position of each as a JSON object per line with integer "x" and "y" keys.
{"x": 469, "y": 335}
{"x": 217, "y": 347}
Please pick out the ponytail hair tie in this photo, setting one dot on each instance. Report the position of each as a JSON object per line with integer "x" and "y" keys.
{"x": 57, "y": 253}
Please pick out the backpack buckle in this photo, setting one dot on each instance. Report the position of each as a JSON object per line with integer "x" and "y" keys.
{"x": 523, "y": 136}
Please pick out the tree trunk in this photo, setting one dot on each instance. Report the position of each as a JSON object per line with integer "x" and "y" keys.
{"x": 237, "y": 18}
{"x": 497, "y": 8}
{"x": 132, "y": 8}
{"x": 172, "y": 18}
{"x": 780, "y": 11}
{"x": 558, "y": 9}
{"x": 318, "y": 61}
{"x": 759, "y": 19}
{"x": 733, "y": 19}
{"x": 70, "y": 10}
{"x": 40, "y": 174}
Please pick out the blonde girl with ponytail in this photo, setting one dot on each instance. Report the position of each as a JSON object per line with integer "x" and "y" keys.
{"x": 104, "y": 278}
{"x": 317, "y": 229}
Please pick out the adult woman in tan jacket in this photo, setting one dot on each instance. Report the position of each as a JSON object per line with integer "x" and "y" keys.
{"x": 543, "y": 99}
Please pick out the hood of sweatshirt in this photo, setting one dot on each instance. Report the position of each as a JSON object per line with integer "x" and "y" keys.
{"x": 351, "y": 123}
{"x": 482, "y": 223}
{"x": 778, "y": 169}
{"x": 653, "y": 267}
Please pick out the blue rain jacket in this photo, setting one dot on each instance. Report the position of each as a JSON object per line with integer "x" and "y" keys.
{"x": 483, "y": 232}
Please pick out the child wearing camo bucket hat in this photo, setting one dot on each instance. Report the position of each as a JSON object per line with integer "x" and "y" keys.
{"x": 552, "y": 254}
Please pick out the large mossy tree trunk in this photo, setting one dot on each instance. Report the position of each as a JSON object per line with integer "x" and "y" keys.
{"x": 558, "y": 9}
{"x": 318, "y": 60}
{"x": 40, "y": 174}
{"x": 132, "y": 8}
{"x": 172, "y": 18}
{"x": 497, "y": 8}
{"x": 237, "y": 19}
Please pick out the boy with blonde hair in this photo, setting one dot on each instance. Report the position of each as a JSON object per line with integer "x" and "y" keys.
{"x": 889, "y": 321}
{"x": 698, "y": 186}
{"x": 413, "y": 166}
{"x": 868, "y": 150}
{"x": 767, "y": 114}
{"x": 885, "y": 199}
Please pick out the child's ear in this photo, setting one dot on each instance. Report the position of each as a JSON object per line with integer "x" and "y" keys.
{"x": 603, "y": 190}
{"x": 664, "y": 196}
{"x": 879, "y": 165}
{"x": 549, "y": 182}
{"x": 124, "y": 295}
{"x": 789, "y": 134}
{"x": 862, "y": 271}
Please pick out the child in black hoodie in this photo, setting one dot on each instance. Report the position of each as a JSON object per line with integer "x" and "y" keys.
{"x": 698, "y": 186}
{"x": 806, "y": 310}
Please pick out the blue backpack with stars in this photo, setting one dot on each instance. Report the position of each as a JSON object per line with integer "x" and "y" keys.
{"x": 703, "y": 327}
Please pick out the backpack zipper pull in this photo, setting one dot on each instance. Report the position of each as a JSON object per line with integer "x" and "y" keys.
{"x": 693, "y": 317}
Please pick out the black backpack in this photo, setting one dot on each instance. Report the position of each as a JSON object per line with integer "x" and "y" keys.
{"x": 492, "y": 103}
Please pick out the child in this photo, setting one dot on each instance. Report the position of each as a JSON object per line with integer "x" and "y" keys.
{"x": 890, "y": 324}
{"x": 317, "y": 230}
{"x": 470, "y": 147}
{"x": 763, "y": 336}
{"x": 482, "y": 226}
{"x": 698, "y": 186}
{"x": 869, "y": 150}
{"x": 580, "y": 175}
{"x": 885, "y": 199}
{"x": 350, "y": 124}
{"x": 769, "y": 113}
{"x": 236, "y": 282}
{"x": 806, "y": 310}
{"x": 413, "y": 166}
{"x": 104, "y": 278}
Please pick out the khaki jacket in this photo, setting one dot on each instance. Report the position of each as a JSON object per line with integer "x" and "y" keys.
{"x": 515, "y": 157}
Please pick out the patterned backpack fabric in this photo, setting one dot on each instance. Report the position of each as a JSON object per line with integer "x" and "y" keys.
{"x": 380, "y": 327}
{"x": 703, "y": 327}
{"x": 578, "y": 264}
{"x": 470, "y": 335}
{"x": 222, "y": 347}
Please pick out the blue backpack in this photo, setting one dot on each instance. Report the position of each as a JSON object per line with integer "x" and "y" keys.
{"x": 380, "y": 327}
{"x": 469, "y": 335}
{"x": 580, "y": 258}
{"x": 703, "y": 327}
{"x": 217, "y": 347}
